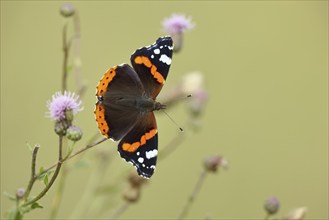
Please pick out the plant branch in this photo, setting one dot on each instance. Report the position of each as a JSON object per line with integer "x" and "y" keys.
{"x": 120, "y": 211}
{"x": 53, "y": 178}
{"x": 192, "y": 197}
{"x": 81, "y": 88}
{"x": 58, "y": 195}
{"x": 32, "y": 178}
{"x": 65, "y": 59}
{"x": 73, "y": 155}
{"x": 267, "y": 217}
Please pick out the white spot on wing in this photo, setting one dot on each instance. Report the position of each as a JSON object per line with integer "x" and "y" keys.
{"x": 165, "y": 59}
{"x": 141, "y": 159}
{"x": 156, "y": 51}
{"x": 137, "y": 153}
{"x": 152, "y": 167}
{"x": 152, "y": 56}
{"x": 171, "y": 47}
{"x": 152, "y": 153}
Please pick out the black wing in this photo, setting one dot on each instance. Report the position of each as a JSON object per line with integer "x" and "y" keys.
{"x": 152, "y": 64}
{"x": 115, "y": 119}
{"x": 140, "y": 146}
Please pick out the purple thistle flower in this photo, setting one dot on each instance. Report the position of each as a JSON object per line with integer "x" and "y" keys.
{"x": 177, "y": 23}
{"x": 60, "y": 104}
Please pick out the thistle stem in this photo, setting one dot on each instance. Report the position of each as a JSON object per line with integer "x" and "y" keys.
{"x": 73, "y": 155}
{"x": 81, "y": 88}
{"x": 120, "y": 211}
{"x": 267, "y": 217}
{"x": 33, "y": 177}
{"x": 65, "y": 59}
{"x": 194, "y": 194}
{"x": 53, "y": 178}
{"x": 58, "y": 195}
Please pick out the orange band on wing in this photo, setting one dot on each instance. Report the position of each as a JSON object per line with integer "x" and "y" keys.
{"x": 146, "y": 61}
{"x": 104, "y": 82}
{"x": 134, "y": 146}
{"x": 100, "y": 110}
{"x": 100, "y": 118}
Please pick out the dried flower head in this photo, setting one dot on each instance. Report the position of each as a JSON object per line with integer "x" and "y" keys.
{"x": 136, "y": 180}
{"x": 296, "y": 214}
{"x": 131, "y": 194}
{"x": 67, "y": 10}
{"x": 272, "y": 205}
{"x": 190, "y": 84}
{"x": 62, "y": 104}
{"x": 177, "y": 23}
{"x": 212, "y": 163}
{"x": 198, "y": 102}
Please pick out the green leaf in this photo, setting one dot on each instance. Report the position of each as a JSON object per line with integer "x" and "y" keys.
{"x": 45, "y": 179}
{"x": 36, "y": 205}
{"x": 9, "y": 196}
{"x": 41, "y": 170}
{"x": 41, "y": 174}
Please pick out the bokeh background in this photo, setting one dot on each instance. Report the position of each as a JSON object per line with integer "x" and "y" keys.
{"x": 265, "y": 65}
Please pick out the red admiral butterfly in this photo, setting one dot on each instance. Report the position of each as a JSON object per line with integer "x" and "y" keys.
{"x": 126, "y": 101}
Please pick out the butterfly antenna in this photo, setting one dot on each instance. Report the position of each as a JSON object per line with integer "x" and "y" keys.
{"x": 181, "y": 129}
{"x": 184, "y": 97}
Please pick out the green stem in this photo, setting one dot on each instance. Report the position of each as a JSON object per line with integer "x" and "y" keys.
{"x": 267, "y": 217}
{"x": 120, "y": 211}
{"x": 81, "y": 88}
{"x": 33, "y": 176}
{"x": 53, "y": 178}
{"x": 194, "y": 194}
{"x": 71, "y": 156}
{"x": 84, "y": 207}
{"x": 58, "y": 196}
{"x": 65, "y": 59}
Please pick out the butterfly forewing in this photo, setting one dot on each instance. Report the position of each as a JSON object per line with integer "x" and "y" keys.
{"x": 152, "y": 64}
{"x": 114, "y": 119}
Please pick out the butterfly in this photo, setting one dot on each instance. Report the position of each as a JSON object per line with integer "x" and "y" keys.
{"x": 126, "y": 99}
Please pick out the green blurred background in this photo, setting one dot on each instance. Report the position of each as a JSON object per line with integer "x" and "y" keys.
{"x": 266, "y": 71}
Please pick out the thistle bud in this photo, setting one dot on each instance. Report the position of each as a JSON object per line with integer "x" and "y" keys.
{"x": 272, "y": 205}
{"x": 61, "y": 127}
{"x": 74, "y": 133}
{"x": 20, "y": 192}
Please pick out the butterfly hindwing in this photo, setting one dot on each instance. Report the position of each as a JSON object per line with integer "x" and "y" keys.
{"x": 152, "y": 64}
{"x": 140, "y": 146}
